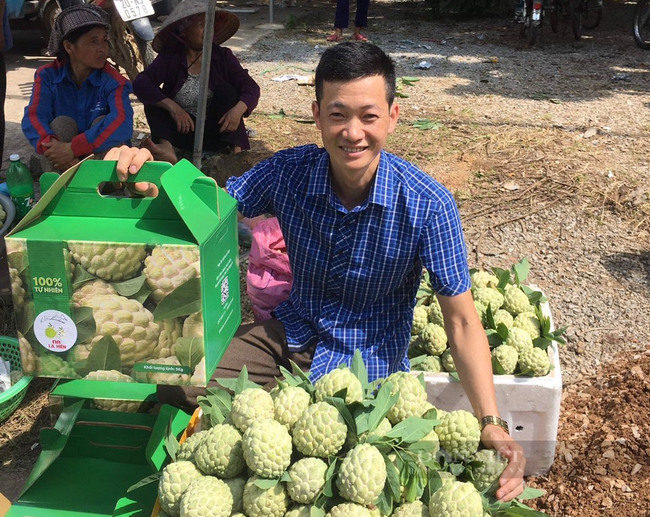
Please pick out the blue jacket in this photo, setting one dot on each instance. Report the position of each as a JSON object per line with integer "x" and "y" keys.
{"x": 104, "y": 93}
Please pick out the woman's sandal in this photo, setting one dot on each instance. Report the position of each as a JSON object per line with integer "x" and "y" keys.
{"x": 334, "y": 37}
{"x": 360, "y": 37}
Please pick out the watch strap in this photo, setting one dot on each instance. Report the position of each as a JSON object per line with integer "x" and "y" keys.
{"x": 494, "y": 420}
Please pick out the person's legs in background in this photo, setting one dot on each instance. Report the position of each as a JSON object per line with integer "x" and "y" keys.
{"x": 341, "y": 20}
{"x": 163, "y": 134}
{"x": 361, "y": 19}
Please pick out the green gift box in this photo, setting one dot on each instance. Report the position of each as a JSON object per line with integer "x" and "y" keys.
{"x": 131, "y": 289}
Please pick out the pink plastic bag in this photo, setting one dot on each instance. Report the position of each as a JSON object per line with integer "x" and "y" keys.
{"x": 268, "y": 280}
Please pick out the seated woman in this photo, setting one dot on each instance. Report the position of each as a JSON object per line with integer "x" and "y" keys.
{"x": 80, "y": 103}
{"x": 171, "y": 109}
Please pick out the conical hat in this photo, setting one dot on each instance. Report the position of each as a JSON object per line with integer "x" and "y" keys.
{"x": 226, "y": 24}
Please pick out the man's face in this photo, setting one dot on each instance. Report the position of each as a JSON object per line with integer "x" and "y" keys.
{"x": 354, "y": 119}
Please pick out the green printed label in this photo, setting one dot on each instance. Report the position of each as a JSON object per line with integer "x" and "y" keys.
{"x": 161, "y": 368}
{"x": 48, "y": 276}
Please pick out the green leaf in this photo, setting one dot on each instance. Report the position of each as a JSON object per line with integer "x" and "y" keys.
{"x": 314, "y": 511}
{"x": 104, "y": 355}
{"x": 542, "y": 342}
{"x": 85, "y": 322}
{"x": 153, "y": 478}
{"x": 530, "y": 493}
{"x": 385, "y": 502}
{"x": 425, "y": 124}
{"x": 359, "y": 370}
{"x": 497, "y": 368}
{"x": 182, "y": 301}
{"x": 189, "y": 351}
{"x": 266, "y": 484}
{"x": 382, "y": 404}
{"x": 81, "y": 276}
{"x": 171, "y": 443}
{"x": 411, "y": 429}
{"x": 286, "y": 477}
{"x": 328, "y": 487}
{"x": 503, "y": 275}
{"x": 279, "y": 116}
{"x": 130, "y": 287}
{"x": 392, "y": 476}
{"x": 455, "y": 376}
{"x": 521, "y": 270}
{"x": 339, "y": 403}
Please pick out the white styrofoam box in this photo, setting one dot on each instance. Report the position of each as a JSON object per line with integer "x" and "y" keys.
{"x": 530, "y": 405}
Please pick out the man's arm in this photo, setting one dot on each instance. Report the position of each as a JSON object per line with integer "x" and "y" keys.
{"x": 471, "y": 353}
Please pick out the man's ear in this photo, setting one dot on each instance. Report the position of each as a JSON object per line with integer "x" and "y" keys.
{"x": 394, "y": 117}
{"x": 315, "y": 109}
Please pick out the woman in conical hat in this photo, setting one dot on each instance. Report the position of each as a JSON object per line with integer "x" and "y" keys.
{"x": 171, "y": 108}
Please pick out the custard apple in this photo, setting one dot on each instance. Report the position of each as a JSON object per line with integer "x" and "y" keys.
{"x": 193, "y": 325}
{"x": 320, "y": 431}
{"x": 415, "y": 509}
{"x": 122, "y": 406}
{"x": 433, "y": 339}
{"x": 448, "y": 361}
{"x": 15, "y": 376}
{"x": 483, "y": 279}
{"x": 168, "y": 267}
{"x": 529, "y": 322}
{"x": 290, "y": 403}
{"x": 250, "y": 405}
{"x": 362, "y": 474}
{"x": 129, "y": 324}
{"x": 176, "y": 478}
{"x": 170, "y": 331}
{"x": 187, "y": 449}
{"x": 265, "y": 502}
{"x": 504, "y": 360}
{"x": 89, "y": 290}
{"x": 432, "y": 363}
{"x": 299, "y": 510}
{"x": 110, "y": 262}
{"x": 337, "y": 380}
{"x": 307, "y": 479}
{"x": 50, "y": 365}
{"x": 420, "y": 319}
{"x": 515, "y": 301}
{"x": 17, "y": 289}
{"x": 481, "y": 310}
{"x": 28, "y": 358}
{"x": 459, "y": 433}
{"x": 267, "y": 448}
{"x": 502, "y": 316}
{"x": 435, "y": 312}
{"x": 206, "y": 497}
{"x": 535, "y": 362}
{"x": 411, "y": 397}
{"x": 199, "y": 375}
{"x": 486, "y": 475}
{"x": 488, "y": 296}
{"x": 518, "y": 339}
{"x": 435, "y": 441}
{"x": 220, "y": 453}
{"x": 456, "y": 499}
{"x": 349, "y": 510}
{"x": 236, "y": 486}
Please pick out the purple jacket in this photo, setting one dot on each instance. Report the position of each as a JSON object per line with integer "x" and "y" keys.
{"x": 170, "y": 70}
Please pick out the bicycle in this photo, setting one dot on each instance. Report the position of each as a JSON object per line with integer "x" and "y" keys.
{"x": 566, "y": 11}
{"x": 591, "y": 12}
{"x": 641, "y": 27}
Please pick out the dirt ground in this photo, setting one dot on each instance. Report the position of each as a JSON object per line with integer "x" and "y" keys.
{"x": 545, "y": 150}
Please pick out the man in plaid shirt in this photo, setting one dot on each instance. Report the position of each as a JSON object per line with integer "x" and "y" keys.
{"x": 359, "y": 225}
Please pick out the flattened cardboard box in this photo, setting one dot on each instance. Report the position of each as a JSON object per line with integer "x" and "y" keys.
{"x": 122, "y": 288}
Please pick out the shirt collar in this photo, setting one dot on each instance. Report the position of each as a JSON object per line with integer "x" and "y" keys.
{"x": 66, "y": 73}
{"x": 380, "y": 194}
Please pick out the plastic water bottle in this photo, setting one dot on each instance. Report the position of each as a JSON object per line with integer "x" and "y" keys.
{"x": 21, "y": 186}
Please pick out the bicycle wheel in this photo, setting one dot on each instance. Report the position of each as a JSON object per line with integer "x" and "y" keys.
{"x": 575, "y": 15}
{"x": 592, "y": 12}
{"x": 642, "y": 24}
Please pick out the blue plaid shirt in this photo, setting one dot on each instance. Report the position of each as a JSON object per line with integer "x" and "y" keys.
{"x": 356, "y": 273}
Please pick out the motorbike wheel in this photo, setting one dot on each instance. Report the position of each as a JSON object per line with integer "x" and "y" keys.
{"x": 642, "y": 24}
{"x": 592, "y": 12}
{"x": 534, "y": 32}
{"x": 49, "y": 14}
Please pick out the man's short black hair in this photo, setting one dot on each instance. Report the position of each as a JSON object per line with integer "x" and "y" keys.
{"x": 349, "y": 61}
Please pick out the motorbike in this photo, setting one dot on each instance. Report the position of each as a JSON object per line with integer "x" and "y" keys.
{"x": 130, "y": 35}
{"x": 641, "y": 25}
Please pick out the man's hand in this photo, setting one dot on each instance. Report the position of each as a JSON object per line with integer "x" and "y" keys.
{"x": 511, "y": 482}
{"x": 60, "y": 154}
{"x": 232, "y": 118}
{"x": 129, "y": 161}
